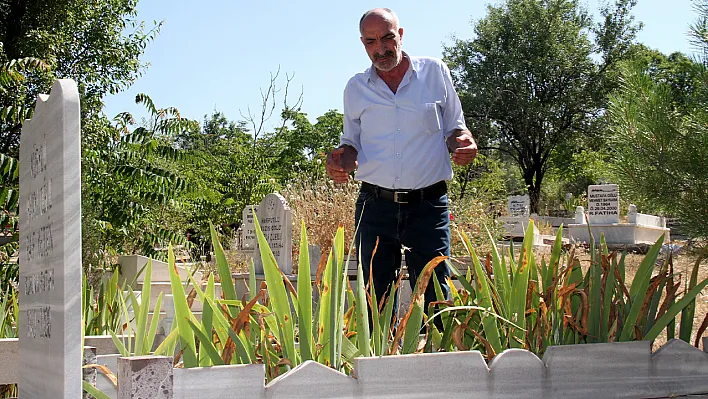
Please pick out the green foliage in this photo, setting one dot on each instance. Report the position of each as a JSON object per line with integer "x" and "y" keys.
{"x": 536, "y": 304}
{"x": 96, "y": 43}
{"x": 130, "y": 184}
{"x": 659, "y": 142}
{"x": 532, "y": 82}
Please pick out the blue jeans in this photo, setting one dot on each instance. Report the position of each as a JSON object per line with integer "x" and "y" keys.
{"x": 423, "y": 228}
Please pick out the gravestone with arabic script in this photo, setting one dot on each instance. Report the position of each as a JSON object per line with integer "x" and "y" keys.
{"x": 275, "y": 218}
{"x": 50, "y": 247}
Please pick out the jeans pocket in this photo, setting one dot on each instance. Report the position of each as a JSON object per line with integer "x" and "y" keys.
{"x": 363, "y": 198}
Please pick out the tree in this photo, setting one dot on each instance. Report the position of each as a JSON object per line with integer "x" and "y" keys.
{"x": 532, "y": 81}
{"x": 95, "y": 42}
{"x": 131, "y": 185}
{"x": 659, "y": 125}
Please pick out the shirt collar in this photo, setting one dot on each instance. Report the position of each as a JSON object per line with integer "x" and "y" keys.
{"x": 412, "y": 67}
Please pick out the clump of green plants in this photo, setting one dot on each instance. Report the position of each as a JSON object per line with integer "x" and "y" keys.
{"x": 534, "y": 304}
{"x": 508, "y": 299}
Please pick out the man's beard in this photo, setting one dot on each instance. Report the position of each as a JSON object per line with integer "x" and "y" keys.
{"x": 387, "y": 56}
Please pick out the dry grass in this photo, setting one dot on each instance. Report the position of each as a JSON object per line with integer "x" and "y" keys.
{"x": 324, "y": 206}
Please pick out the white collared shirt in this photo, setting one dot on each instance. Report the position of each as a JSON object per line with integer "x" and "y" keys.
{"x": 400, "y": 138}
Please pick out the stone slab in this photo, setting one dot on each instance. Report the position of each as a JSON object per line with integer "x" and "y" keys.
{"x": 248, "y": 229}
{"x": 677, "y": 368}
{"x": 10, "y": 355}
{"x": 311, "y": 380}
{"x": 618, "y": 233}
{"x": 145, "y": 377}
{"x": 427, "y": 375}
{"x": 275, "y": 219}
{"x": 516, "y": 373}
{"x": 236, "y": 381}
{"x": 50, "y": 243}
{"x": 102, "y": 381}
{"x": 603, "y": 203}
{"x": 599, "y": 370}
{"x": 519, "y": 205}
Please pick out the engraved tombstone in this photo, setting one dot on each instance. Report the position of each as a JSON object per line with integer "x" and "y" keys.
{"x": 603, "y": 203}
{"x": 276, "y": 222}
{"x": 519, "y": 205}
{"x": 248, "y": 229}
{"x": 50, "y": 247}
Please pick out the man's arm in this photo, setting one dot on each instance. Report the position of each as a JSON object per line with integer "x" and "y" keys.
{"x": 462, "y": 146}
{"x": 340, "y": 162}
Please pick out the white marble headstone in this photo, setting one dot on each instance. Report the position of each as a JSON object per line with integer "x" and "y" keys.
{"x": 50, "y": 247}
{"x": 275, "y": 218}
{"x": 519, "y": 205}
{"x": 603, "y": 203}
{"x": 248, "y": 229}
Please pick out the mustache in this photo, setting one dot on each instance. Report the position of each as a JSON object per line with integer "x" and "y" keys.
{"x": 388, "y": 53}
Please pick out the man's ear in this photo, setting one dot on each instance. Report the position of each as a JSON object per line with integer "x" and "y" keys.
{"x": 400, "y": 32}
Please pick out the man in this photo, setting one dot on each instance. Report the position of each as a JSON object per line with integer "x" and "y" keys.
{"x": 402, "y": 118}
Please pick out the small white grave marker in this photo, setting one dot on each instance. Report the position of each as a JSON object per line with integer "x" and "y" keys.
{"x": 50, "y": 247}
{"x": 603, "y": 203}
{"x": 248, "y": 229}
{"x": 519, "y": 205}
{"x": 276, "y": 222}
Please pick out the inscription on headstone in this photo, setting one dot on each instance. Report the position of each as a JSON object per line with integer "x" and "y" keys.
{"x": 518, "y": 205}
{"x": 248, "y": 229}
{"x": 603, "y": 203}
{"x": 50, "y": 247}
{"x": 276, "y": 222}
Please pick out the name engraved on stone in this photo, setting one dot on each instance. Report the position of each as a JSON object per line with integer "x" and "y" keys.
{"x": 39, "y": 282}
{"x": 39, "y": 243}
{"x": 39, "y": 322}
{"x": 39, "y": 202}
{"x": 603, "y": 203}
{"x": 38, "y": 159}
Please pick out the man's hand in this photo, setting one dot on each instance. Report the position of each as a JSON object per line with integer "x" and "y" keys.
{"x": 340, "y": 162}
{"x": 463, "y": 147}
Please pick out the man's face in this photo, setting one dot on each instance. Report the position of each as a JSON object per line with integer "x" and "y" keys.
{"x": 382, "y": 40}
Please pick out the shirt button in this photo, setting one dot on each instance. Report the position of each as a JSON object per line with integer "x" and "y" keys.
{"x": 398, "y": 130}
{"x": 398, "y": 154}
{"x": 397, "y": 179}
{"x": 398, "y": 106}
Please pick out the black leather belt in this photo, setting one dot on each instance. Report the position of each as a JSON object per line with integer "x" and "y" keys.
{"x": 406, "y": 196}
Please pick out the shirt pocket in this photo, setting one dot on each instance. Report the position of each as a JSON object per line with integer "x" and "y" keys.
{"x": 431, "y": 118}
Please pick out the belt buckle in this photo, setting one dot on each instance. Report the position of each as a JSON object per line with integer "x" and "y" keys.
{"x": 397, "y": 197}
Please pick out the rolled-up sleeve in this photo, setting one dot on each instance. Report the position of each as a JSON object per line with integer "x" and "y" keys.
{"x": 352, "y": 124}
{"x": 453, "y": 118}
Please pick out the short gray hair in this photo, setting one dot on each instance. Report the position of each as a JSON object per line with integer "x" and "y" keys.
{"x": 378, "y": 11}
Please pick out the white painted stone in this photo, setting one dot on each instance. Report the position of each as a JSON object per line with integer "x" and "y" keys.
{"x": 235, "y": 381}
{"x": 311, "y": 380}
{"x": 519, "y": 205}
{"x": 145, "y": 377}
{"x": 516, "y": 373}
{"x": 276, "y": 223}
{"x": 580, "y": 215}
{"x": 102, "y": 381}
{"x": 50, "y": 247}
{"x": 599, "y": 370}
{"x": 603, "y": 203}
{"x": 431, "y": 375}
{"x": 9, "y": 353}
{"x": 248, "y": 229}
{"x": 130, "y": 265}
{"x": 516, "y": 226}
{"x": 678, "y": 368}
{"x": 618, "y": 233}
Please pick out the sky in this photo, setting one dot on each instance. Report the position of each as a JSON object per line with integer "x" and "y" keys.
{"x": 220, "y": 54}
